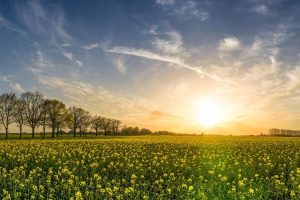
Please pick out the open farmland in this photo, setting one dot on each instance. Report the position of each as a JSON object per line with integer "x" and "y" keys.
{"x": 151, "y": 167}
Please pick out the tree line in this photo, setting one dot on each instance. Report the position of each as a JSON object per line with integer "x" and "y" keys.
{"x": 33, "y": 110}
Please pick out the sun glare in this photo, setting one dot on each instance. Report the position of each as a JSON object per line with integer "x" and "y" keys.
{"x": 209, "y": 113}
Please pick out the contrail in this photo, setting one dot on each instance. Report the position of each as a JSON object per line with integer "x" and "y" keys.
{"x": 153, "y": 56}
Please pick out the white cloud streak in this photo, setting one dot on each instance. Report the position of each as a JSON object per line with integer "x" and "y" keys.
{"x": 70, "y": 57}
{"x": 66, "y": 45}
{"x": 153, "y": 56}
{"x": 91, "y": 46}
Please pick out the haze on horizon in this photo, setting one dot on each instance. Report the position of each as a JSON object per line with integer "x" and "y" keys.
{"x": 186, "y": 66}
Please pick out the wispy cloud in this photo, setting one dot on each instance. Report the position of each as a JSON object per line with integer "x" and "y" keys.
{"x": 165, "y": 2}
{"x": 294, "y": 81}
{"x": 48, "y": 23}
{"x": 3, "y": 22}
{"x": 153, "y": 30}
{"x": 74, "y": 90}
{"x": 157, "y": 115}
{"x": 153, "y": 56}
{"x": 16, "y": 87}
{"x": 184, "y": 9}
{"x": 265, "y": 83}
{"x": 6, "y": 24}
{"x": 42, "y": 62}
{"x": 70, "y": 57}
{"x": 99, "y": 101}
{"x": 119, "y": 63}
{"x": 172, "y": 45}
{"x": 66, "y": 45}
{"x": 229, "y": 44}
{"x": 91, "y": 46}
{"x": 261, "y": 9}
{"x": 5, "y": 78}
{"x": 9, "y": 81}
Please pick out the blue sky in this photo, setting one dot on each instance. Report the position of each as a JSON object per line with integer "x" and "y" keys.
{"x": 149, "y": 63}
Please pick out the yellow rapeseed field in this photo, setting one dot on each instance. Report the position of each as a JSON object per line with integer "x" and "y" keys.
{"x": 151, "y": 167}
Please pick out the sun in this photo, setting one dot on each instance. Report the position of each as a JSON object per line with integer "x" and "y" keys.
{"x": 209, "y": 113}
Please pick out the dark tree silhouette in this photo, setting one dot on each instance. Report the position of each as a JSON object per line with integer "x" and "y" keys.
{"x": 115, "y": 126}
{"x": 76, "y": 118}
{"x": 19, "y": 115}
{"x": 7, "y": 109}
{"x": 33, "y": 109}
{"x": 106, "y": 125}
{"x": 56, "y": 111}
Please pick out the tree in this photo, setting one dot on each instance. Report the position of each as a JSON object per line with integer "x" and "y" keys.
{"x": 62, "y": 120}
{"x": 106, "y": 125}
{"x": 96, "y": 123}
{"x": 76, "y": 118}
{"x": 135, "y": 131}
{"x": 145, "y": 131}
{"x": 33, "y": 109}
{"x": 19, "y": 115}
{"x": 115, "y": 126}
{"x": 56, "y": 111}
{"x": 44, "y": 119}
{"x": 126, "y": 130}
{"x": 7, "y": 109}
{"x": 84, "y": 125}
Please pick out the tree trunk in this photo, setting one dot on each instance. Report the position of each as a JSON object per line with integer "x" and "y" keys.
{"x": 33, "y": 129}
{"x": 20, "y": 131}
{"x": 57, "y": 128}
{"x": 105, "y": 132}
{"x": 6, "y": 133}
{"x": 53, "y": 131}
{"x": 44, "y": 131}
{"x": 74, "y": 132}
{"x": 96, "y": 132}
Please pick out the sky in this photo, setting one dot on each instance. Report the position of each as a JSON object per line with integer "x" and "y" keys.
{"x": 153, "y": 63}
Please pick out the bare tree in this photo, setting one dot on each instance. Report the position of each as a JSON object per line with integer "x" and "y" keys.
{"x": 84, "y": 123}
{"x": 19, "y": 115}
{"x": 44, "y": 120}
{"x": 56, "y": 110}
{"x": 33, "y": 109}
{"x": 115, "y": 126}
{"x": 106, "y": 125}
{"x": 76, "y": 118}
{"x": 7, "y": 109}
{"x": 62, "y": 120}
{"x": 96, "y": 123}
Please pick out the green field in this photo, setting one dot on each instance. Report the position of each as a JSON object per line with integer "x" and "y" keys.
{"x": 151, "y": 167}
